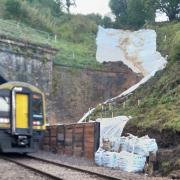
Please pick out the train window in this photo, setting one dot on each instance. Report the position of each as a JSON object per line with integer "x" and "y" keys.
{"x": 4, "y": 102}
{"x": 37, "y": 110}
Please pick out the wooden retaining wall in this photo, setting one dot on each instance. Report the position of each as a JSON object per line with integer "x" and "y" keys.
{"x": 74, "y": 139}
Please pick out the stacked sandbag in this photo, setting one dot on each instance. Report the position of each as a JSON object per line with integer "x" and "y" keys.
{"x": 131, "y": 162}
{"x": 142, "y": 146}
{"x": 125, "y": 153}
{"x": 109, "y": 159}
{"x": 98, "y": 156}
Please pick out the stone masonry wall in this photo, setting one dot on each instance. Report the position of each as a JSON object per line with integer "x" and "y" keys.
{"x": 26, "y": 62}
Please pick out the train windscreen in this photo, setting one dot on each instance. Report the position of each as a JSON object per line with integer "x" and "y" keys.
{"x": 4, "y": 104}
{"x": 4, "y": 110}
{"x": 37, "y": 110}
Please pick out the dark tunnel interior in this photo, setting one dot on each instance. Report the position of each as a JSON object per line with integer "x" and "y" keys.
{"x": 2, "y": 80}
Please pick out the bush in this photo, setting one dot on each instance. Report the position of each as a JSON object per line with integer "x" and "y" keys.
{"x": 77, "y": 29}
{"x": 13, "y": 8}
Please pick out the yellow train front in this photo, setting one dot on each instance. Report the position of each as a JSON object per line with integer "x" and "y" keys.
{"x": 22, "y": 117}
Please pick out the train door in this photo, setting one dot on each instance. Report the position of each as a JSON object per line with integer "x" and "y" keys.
{"x": 22, "y": 102}
{"x": 21, "y": 116}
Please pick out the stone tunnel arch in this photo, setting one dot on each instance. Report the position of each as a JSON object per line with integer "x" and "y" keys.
{"x": 2, "y": 79}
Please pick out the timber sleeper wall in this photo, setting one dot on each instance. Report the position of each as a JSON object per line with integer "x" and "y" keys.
{"x": 74, "y": 139}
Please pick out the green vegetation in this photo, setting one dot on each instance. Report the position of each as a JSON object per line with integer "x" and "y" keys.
{"x": 170, "y": 7}
{"x": 136, "y": 13}
{"x": 155, "y": 104}
{"x": 159, "y": 98}
{"x": 168, "y": 39}
{"x": 46, "y": 22}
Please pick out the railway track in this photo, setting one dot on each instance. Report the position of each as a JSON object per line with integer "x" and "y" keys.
{"x": 33, "y": 169}
{"x": 54, "y": 170}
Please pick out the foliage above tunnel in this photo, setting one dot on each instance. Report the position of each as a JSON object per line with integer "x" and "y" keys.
{"x": 39, "y": 21}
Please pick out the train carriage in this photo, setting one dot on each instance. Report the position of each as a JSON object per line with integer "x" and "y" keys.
{"x": 22, "y": 117}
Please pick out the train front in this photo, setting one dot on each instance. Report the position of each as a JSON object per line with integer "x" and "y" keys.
{"x": 22, "y": 117}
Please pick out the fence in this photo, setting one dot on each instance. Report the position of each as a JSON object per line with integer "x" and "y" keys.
{"x": 74, "y": 139}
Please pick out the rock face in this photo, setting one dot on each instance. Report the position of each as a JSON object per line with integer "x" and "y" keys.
{"x": 26, "y": 62}
{"x": 76, "y": 90}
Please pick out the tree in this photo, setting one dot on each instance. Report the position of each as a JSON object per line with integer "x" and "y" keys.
{"x": 171, "y": 8}
{"x": 13, "y": 8}
{"x": 133, "y": 13}
{"x": 106, "y": 22}
{"x": 66, "y": 4}
{"x": 136, "y": 13}
{"x": 69, "y": 3}
{"x": 118, "y": 7}
{"x": 150, "y": 8}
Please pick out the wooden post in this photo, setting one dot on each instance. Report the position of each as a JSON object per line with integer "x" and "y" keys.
{"x": 139, "y": 101}
{"x": 83, "y": 141}
{"x": 102, "y": 109}
{"x": 124, "y": 104}
{"x": 112, "y": 111}
{"x": 73, "y": 138}
{"x": 55, "y": 38}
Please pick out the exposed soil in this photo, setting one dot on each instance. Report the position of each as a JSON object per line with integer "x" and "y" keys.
{"x": 165, "y": 139}
{"x": 76, "y": 90}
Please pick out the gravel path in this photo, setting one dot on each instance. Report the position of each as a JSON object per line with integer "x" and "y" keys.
{"x": 11, "y": 171}
{"x": 90, "y": 165}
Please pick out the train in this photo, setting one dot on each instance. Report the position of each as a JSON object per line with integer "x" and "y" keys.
{"x": 22, "y": 117}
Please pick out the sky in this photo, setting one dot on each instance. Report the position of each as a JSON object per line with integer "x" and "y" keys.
{"x": 92, "y": 6}
{"x": 101, "y": 7}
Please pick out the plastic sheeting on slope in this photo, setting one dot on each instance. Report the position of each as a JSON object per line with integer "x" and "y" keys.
{"x": 136, "y": 49}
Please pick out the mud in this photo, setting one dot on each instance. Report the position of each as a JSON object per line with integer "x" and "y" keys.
{"x": 165, "y": 138}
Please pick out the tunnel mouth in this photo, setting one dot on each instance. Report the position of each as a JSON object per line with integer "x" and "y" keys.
{"x": 2, "y": 80}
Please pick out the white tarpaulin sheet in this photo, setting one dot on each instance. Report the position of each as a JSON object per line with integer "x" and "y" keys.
{"x": 136, "y": 49}
{"x": 112, "y": 127}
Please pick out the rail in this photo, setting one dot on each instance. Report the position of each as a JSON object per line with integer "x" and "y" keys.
{"x": 43, "y": 173}
{"x": 76, "y": 168}
{"x": 16, "y": 159}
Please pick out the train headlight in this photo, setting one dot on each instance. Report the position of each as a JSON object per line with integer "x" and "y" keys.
{"x": 36, "y": 123}
{"x": 4, "y": 121}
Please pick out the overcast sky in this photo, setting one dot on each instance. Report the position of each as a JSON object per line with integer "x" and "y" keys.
{"x": 101, "y": 7}
{"x": 91, "y": 6}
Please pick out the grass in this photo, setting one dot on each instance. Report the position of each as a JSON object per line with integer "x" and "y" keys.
{"x": 168, "y": 39}
{"x": 18, "y": 30}
{"x": 75, "y": 34}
